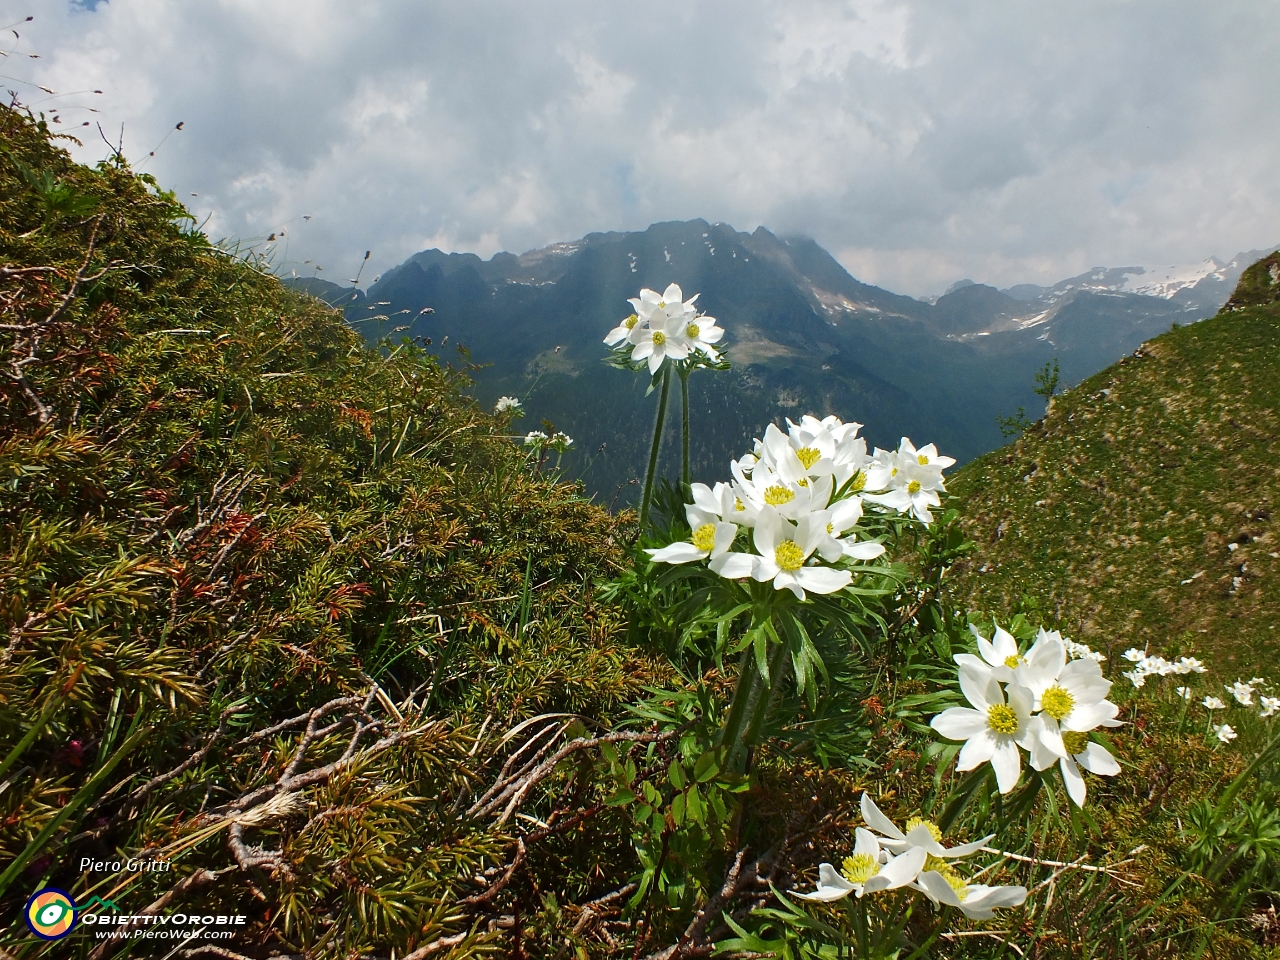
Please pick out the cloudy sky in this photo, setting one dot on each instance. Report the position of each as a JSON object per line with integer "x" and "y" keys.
{"x": 919, "y": 141}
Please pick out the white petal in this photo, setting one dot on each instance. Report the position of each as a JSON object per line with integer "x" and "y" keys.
{"x": 1076, "y": 789}
{"x": 898, "y": 872}
{"x": 937, "y": 889}
{"x": 959, "y": 723}
{"x": 1007, "y": 763}
{"x": 725, "y": 534}
{"x": 864, "y": 841}
{"x": 864, "y": 550}
{"x": 967, "y": 849}
{"x": 682, "y": 552}
{"x": 980, "y": 687}
{"x": 831, "y": 885}
{"x": 877, "y": 821}
{"x": 977, "y": 751}
{"x": 981, "y": 901}
{"x": 672, "y": 294}
{"x": 734, "y": 566}
{"x": 788, "y": 581}
{"x": 1098, "y": 759}
{"x": 823, "y": 579}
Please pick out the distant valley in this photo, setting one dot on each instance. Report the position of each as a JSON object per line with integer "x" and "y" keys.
{"x": 803, "y": 336}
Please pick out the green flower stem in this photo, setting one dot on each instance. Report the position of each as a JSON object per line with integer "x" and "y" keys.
{"x": 684, "y": 425}
{"x": 752, "y": 699}
{"x": 647, "y": 496}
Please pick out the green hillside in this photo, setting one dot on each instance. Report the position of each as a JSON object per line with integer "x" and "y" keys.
{"x": 293, "y": 620}
{"x": 1143, "y": 509}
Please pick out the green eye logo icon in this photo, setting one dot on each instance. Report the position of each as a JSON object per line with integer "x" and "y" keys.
{"x": 51, "y": 914}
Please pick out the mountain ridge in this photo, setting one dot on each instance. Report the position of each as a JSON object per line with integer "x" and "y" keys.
{"x": 803, "y": 334}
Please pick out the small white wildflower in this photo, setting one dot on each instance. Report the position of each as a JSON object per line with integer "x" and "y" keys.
{"x": 1136, "y": 677}
{"x": 1134, "y": 655}
{"x": 1270, "y": 705}
{"x": 1183, "y": 692}
{"x": 536, "y": 439}
{"x": 1081, "y": 651}
{"x": 1225, "y": 733}
{"x": 560, "y": 442}
{"x": 1243, "y": 693}
{"x": 507, "y": 403}
{"x": 1213, "y": 703}
{"x": 1190, "y": 665}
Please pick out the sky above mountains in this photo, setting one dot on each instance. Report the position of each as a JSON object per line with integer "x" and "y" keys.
{"x": 919, "y": 141}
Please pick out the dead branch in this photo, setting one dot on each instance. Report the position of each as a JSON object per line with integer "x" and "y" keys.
{"x": 435, "y": 946}
{"x": 513, "y": 789}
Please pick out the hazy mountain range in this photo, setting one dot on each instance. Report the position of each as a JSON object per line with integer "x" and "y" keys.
{"x": 803, "y": 336}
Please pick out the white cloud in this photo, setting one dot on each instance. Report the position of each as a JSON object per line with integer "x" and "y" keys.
{"x": 920, "y": 140}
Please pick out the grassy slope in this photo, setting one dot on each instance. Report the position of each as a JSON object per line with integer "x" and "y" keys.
{"x": 230, "y": 504}
{"x": 1139, "y": 480}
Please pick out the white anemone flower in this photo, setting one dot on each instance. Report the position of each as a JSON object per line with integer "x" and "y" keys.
{"x": 699, "y": 333}
{"x": 623, "y": 330}
{"x": 1070, "y": 695}
{"x": 992, "y": 729}
{"x": 1270, "y": 705}
{"x": 765, "y": 488}
{"x": 863, "y": 872}
{"x": 711, "y": 538}
{"x": 782, "y": 548}
{"x": 800, "y": 453}
{"x": 1000, "y": 654}
{"x": 926, "y": 456}
{"x": 1213, "y": 703}
{"x": 1243, "y": 692}
{"x": 913, "y": 487}
{"x": 658, "y": 341}
{"x": 1225, "y": 733}
{"x": 507, "y": 403}
{"x": 845, "y": 515}
{"x": 920, "y": 835}
{"x": 977, "y": 901}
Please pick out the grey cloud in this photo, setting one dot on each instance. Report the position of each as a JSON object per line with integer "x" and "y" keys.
{"x": 920, "y": 141}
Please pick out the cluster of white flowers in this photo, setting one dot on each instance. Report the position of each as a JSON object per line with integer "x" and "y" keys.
{"x": 800, "y": 495}
{"x": 1242, "y": 691}
{"x": 665, "y": 326}
{"x": 890, "y": 858}
{"x": 1148, "y": 666}
{"x": 559, "y": 442}
{"x": 1039, "y": 702}
{"x": 507, "y": 403}
{"x": 1080, "y": 651}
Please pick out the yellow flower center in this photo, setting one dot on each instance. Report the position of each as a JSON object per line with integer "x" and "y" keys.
{"x": 777, "y": 495}
{"x": 1001, "y": 718}
{"x": 934, "y": 831}
{"x": 662, "y": 304}
{"x": 631, "y": 321}
{"x": 738, "y": 504}
{"x": 788, "y": 555}
{"x": 956, "y": 883}
{"x": 1074, "y": 742}
{"x": 831, "y": 528}
{"x": 808, "y": 456}
{"x": 860, "y": 868}
{"x": 913, "y": 486}
{"x": 693, "y": 330}
{"x": 802, "y": 482}
{"x": 1012, "y": 661}
{"x": 704, "y": 538}
{"x": 1057, "y": 702}
{"x": 659, "y": 338}
{"x": 858, "y": 483}
{"x": 922, "y": 459}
